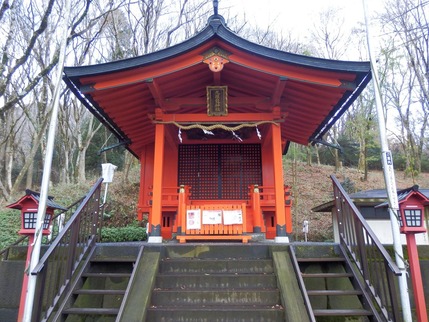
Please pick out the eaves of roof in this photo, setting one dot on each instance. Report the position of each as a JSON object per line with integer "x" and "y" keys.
{"x": 216, "y": 27}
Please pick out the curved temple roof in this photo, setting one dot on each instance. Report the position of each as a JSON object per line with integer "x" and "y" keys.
{"x": 312, "y": 93}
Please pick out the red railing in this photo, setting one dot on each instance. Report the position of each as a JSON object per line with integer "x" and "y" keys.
{"x": 377, "y": 268}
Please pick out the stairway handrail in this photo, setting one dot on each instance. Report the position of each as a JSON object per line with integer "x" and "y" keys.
{"x": 301, "y": 284}
{"x": 56, "y": 267}
{"x": 371, "y": 258}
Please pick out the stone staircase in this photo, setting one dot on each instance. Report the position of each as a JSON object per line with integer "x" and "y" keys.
{"x": 223, "y": 284}
{"x": 215, "y": 282}
{"x": 332, "y": 289}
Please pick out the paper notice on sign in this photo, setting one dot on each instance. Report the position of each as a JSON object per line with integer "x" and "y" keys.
{"x": 232, "y": 217}
{"x": 212, "y": 217}
{"x": 193, "y": 219}
{"x": 108, "y": 171}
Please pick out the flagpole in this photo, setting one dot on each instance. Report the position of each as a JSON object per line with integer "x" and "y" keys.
{"x": 35, "y": 256}
{"x": 389, "y": 178}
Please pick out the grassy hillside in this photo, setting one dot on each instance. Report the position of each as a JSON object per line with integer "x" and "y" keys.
{"x": 311, "y": 186}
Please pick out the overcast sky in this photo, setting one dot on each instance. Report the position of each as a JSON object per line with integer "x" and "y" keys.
{"x": 297, "y": 16}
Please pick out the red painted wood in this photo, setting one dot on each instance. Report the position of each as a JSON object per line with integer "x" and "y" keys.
{"x": 157, "y": 175}
{"x": 278, "y": 175}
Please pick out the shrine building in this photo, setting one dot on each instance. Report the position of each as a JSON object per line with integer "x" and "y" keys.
{"x": 209, "y": 120}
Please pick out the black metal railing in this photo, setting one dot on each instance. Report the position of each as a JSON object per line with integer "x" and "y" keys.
{"x": 379, "y": 272}
{"x": 56, "y": 267}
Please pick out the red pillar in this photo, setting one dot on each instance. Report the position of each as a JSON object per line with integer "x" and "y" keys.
{"x": 155, "y": 223}
{"x": 256, "y": 205}
{"x": 416, "y": 278}
{"x": 181, "y": 212}
{"x": 281, "y": 234}
{"x": 25, "y": 279}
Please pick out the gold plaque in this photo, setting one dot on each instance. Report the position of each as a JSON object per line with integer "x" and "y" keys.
{"x": 217, "y": 100}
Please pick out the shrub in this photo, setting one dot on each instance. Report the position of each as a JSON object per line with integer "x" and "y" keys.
{"x": 11, "y": 223}
{"x": 123, "y": 234}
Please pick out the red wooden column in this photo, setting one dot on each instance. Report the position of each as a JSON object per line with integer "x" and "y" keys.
{"x": 181, "y": 212}
{"x": 158, "y": 163}
{"x": 256, "y": 205}
{"x": 281, "y": 235}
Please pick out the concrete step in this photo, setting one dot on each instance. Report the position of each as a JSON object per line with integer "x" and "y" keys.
{"x": 326, "y": 275}
{"x": 217, "y": 314}
{"x": 342, "y": 312}
{"x": 102, "y": 289}
{"x": 333, "y": 292}
{"x": 216, "y": 266}
{"x": 320, "y": 259}
{"x": 216, "y": 284}
{"x": 107, "y": 275}
{"x": 215, "y": 281}
{"x": 222, "y": 298}
{"x": 99, "y": 292}
{"x": 92, "y": 311}
{"x": 330, "y": 287}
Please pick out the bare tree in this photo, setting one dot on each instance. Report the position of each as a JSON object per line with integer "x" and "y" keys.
{"x": 329, "y": 40}
{"x": 29, "y": 54}
{"x": 406, "y": 24}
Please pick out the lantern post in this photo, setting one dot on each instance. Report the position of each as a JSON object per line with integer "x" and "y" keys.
{"x": 28, "y": 204}
{"x": 411, "y": 223}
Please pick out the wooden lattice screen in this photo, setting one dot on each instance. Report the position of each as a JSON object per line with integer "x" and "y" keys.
{"x": 219, "y": 172}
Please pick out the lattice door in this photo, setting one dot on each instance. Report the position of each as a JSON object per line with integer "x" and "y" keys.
{"x": 220, "y": 171}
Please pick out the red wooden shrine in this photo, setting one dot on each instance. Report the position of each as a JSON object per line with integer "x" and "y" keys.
{"x": 210, "y": 120}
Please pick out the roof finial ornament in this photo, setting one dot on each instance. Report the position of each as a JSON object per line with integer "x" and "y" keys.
{"x": 215, "y": 7}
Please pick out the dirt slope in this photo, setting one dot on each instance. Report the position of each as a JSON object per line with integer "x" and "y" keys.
{"x": 312, "y": 186}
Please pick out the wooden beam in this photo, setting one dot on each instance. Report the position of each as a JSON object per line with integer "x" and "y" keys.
{"x": 113, "y": 93}
{"x": 278, "y": 90}
{"x": 141, "y": 75}
{"x": 198, "y": 101}
{"x": 156, "y": 92}
{"x": 318, "y": 91}
{"x": 231, "y": 118}
{"x": 302, "y": 76}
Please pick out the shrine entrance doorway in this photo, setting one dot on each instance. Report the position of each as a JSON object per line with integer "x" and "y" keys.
{"x": 220, "y": 171}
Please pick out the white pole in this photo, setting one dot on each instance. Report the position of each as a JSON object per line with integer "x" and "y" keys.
{"x": 389, "y": 178}
{"x": 105, "y": 193}
{"x": 35, "y": 256}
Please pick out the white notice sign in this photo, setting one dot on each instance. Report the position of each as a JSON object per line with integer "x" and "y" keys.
{"x": 232, "y": 217}
{"x": 193, "y": 219}
{"x": 212, "y": 217}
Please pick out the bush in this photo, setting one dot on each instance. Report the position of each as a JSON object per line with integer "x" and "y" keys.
{"x": 123, "y": 234}
{"x": 11, "y": 223}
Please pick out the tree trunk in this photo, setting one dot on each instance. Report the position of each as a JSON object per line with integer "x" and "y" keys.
{"x": 29, "y": 159}
{"x": 29, "y": 177}
{"x": 9, "y": 164}
{"x": 81, "y": 175}
{"x": 308, "y": 150}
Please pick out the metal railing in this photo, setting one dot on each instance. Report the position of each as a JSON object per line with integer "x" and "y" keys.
{"x": 378, "y": 270}
{"x": 56, "y": 267}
